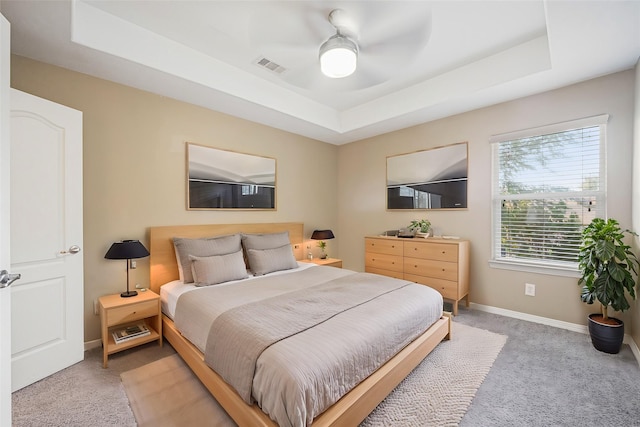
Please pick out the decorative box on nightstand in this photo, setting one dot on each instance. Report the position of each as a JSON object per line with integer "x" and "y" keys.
{"x": 116, "y": 313}
{"x": 331, "y": 262}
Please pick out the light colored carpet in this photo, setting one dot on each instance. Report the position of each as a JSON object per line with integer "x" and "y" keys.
{"x": 67, "y": 398}
{"x": 437, "y": 393}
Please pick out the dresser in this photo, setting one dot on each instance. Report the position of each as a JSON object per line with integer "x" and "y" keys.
{"x": 442, "y": 264}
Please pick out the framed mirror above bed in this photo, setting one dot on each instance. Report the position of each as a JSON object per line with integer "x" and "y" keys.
{"x": 223, "y": 179}
{"x": 428, "y": 179}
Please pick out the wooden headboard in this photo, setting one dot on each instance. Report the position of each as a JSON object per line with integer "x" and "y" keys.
{"x": 163, "y": 266}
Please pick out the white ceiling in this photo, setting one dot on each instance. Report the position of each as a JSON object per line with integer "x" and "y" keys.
{"x": 418, "y": 60}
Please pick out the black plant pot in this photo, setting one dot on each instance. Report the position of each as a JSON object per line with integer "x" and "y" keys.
{"x": 606, "y": 338}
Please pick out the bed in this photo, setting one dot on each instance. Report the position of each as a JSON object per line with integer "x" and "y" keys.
{"x": 353, "y": 406}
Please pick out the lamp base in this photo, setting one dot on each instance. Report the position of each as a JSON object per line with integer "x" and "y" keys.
{"x": 129, "y": 294}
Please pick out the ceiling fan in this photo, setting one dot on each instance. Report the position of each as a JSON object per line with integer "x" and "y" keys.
{"x": 378, "y": 40}
{"x": 339, "y": 54}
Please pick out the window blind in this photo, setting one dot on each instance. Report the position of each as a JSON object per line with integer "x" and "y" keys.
{"x": 546, "y": 188}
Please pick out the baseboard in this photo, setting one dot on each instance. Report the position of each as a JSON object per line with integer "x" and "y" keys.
{"x": 583, "y": 329}
{"x": 90, "y": 345}
{"x": 634, "y": 349}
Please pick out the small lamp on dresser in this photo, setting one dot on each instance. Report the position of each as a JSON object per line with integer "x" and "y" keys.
{"x": 128, "y": 250}
{"x": 322, "y": 235}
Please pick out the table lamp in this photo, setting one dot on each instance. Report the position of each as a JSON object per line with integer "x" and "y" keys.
{"x": 128, "y": 250}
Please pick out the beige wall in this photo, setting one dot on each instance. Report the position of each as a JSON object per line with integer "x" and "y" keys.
{"x": 134, "y": 176}
{"x": 361, "y": 202}
{"x": 134, "y": 168}
{"x": 635, "y": 187}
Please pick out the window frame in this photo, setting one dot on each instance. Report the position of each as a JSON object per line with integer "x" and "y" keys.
{"x": 539, "y": 265}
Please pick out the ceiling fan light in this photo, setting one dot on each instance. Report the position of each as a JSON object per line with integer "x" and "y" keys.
{"x": 338, "y": 57}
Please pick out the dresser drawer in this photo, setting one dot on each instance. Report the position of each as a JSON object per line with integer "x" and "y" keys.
{"x": 435, "y": 251}
{"x": 447, "y": 288}
{"x": 396, "y": 274}
{"x": 440, "y": 264}
{"x": 383, "y": 261}
{"x": 129, "y": 313}
{"x": 383, "y": 246}
{"x": 431, "y": 268}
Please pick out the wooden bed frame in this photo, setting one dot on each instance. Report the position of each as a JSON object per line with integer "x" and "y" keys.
{"x": 352, "y": 408}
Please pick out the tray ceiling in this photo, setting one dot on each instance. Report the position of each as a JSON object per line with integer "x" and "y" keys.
{"x": 418, "y": 60}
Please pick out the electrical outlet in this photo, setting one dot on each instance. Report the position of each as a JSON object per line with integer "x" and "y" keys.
{"x": 95, "y": 307}
{"x": 134, "y": 264}
{"x": 530, "y": 289}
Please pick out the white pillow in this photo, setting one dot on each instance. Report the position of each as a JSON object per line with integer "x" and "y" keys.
{"x": 216, "y": 269}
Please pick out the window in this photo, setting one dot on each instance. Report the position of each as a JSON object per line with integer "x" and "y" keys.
{"x": 547, "y": 184}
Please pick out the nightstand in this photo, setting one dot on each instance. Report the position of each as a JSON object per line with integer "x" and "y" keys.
{"x": 117, "y": 312}
{"x": 331, "y": 262}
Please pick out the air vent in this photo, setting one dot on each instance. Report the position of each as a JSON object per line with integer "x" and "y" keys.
{"x": 270, "y": 65}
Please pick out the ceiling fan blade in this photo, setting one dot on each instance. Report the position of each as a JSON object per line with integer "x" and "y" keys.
{"x": 391, "y": 51}
{"x": 398, "y": 51}
{"x": 306, "y": 77}
{"x": 311, "y": 78}
{"x": 289, "y": 22}
{"x": 398, "y": 45}
{"x": 388, "y": 20}
{"x": 372, "y": 71}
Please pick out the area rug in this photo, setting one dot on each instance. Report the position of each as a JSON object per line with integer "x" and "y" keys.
{"x": 437, "y": 393}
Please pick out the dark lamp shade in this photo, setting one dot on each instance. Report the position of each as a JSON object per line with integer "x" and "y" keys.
{"x": 127, "y": 249}
{"x": 322, "y": 235}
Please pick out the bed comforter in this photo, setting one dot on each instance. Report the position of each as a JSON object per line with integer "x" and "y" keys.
{"x": 320, "y": 332}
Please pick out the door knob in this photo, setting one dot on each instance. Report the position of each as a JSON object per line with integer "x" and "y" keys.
{"x": 72, "y": 250}
{"x": 7, "y": 279}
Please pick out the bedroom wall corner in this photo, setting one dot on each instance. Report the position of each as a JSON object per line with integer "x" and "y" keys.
{"x": 135, "y": 169}
{"x": 362, "y": 196}
{"x": 635, "y": 200}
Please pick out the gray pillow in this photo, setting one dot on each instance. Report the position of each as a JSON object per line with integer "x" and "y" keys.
{"x": 263, "y": 261}
{"x": 216, "y": 269}
{"x": 265, "y": 241}
{"x": 208, "y": 246}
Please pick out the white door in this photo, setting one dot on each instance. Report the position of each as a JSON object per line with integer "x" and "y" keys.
{"x": 47, "y": 304}
{"x": 5, "y": 293}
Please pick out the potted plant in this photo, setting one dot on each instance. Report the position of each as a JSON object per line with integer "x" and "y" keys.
{"x": 609, "y": 272}
{"x": 323, "y": 247}
{"x": 421, "y": 227}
